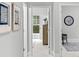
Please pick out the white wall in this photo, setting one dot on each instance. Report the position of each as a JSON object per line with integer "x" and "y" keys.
{"x": 11, "y": 44}
{"x": 56, "y": 29}
{"x": 73, "y": 30}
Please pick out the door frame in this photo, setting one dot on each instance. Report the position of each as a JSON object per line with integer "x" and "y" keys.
{"x": 25, "y": 29}
{"x": 49, "y": 16}
{"x": 29, "y": 27}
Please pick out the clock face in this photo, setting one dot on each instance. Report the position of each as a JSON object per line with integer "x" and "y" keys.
{"x": 68, "y": 20}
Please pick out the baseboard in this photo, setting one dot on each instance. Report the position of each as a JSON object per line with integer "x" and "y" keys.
{"x": 25, "y": 54}
{"x": 52, "y": 53}
{"x": 29, "y": 53}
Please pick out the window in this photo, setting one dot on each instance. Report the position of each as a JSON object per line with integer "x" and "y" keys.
{"x": 35, "y": 19}
{"x": 35, "y": 24}
{"x": 35, "y": 28}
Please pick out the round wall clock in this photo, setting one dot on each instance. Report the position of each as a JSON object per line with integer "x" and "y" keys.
{"x": 68, "y": 20}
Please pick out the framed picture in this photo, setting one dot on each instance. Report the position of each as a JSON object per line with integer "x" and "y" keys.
{"x": 15, "y": 17}
{"x": 3, "y": 14}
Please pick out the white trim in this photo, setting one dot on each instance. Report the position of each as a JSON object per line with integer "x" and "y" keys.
{"x": 40, "y": 6}
{"x": 29, "y": 54}
{"x": 31, "y": 31}
{"x": 25, "y": 28}
{"x": 49, "y": 17}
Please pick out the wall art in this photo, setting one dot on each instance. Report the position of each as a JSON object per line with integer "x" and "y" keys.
{"x": 15, "y": 17}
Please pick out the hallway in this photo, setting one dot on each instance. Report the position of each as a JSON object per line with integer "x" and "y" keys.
{"x": 40, "y": 50}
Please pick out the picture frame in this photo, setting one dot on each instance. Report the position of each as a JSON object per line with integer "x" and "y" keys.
{"x": 3, "y": 14}
{"x": 15, "y": 17}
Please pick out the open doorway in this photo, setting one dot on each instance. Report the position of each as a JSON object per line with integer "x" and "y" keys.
{"x": 40, "y": 41}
